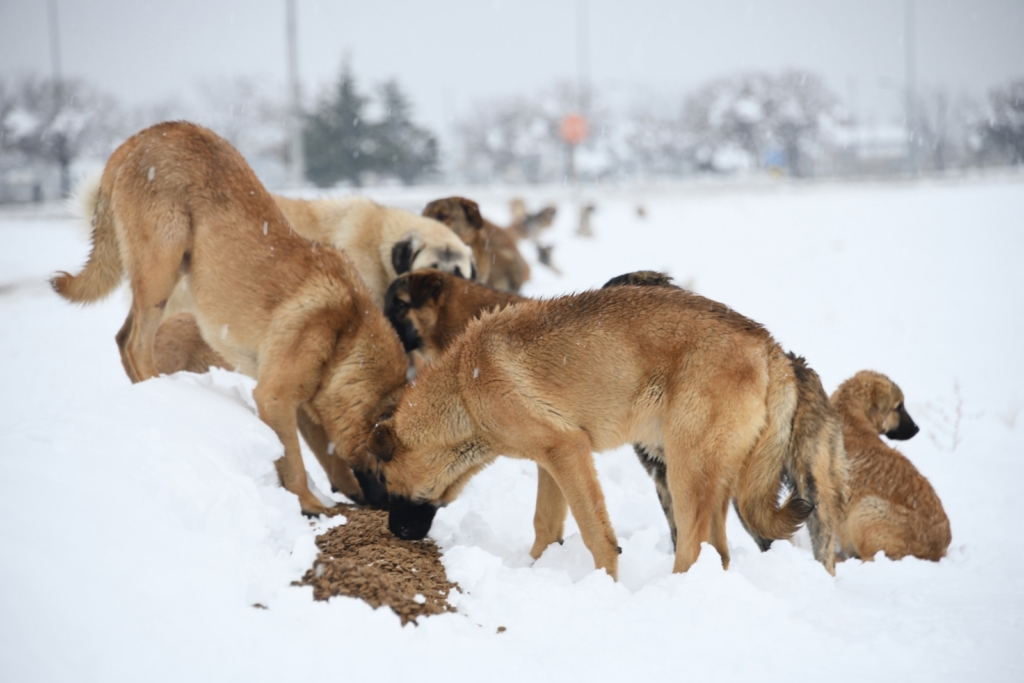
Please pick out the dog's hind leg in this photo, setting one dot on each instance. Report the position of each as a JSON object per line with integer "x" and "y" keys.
{"x": 653, "y": 460}
{"x": 693, "y": 481}
{"x": 122, "y": 346}
{"x": 155, "y": 258}
{"x": 549, "y": 517}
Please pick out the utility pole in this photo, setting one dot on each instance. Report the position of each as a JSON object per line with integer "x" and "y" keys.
{"x": 297, "y": 154}
{"x": 911, "y": 109}
{"x": 60, "y": 138}
{"x": 582, "y": 58}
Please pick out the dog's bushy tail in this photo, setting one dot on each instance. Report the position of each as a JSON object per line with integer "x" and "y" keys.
{"x": 818, "y": 465}
{"x": 758, "y": 489}
{"x": 103, "y": 271}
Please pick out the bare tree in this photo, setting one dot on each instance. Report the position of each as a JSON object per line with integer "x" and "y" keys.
{"x": 771, "y": 118}
{"x": 249, "y": 112}
{"x": 1004, "y": 131}
{"x": 59, "y": 123}
{"x": 517, "y": 139}
{"x": 945, "y": 125}
{"x": 659, "y": 143}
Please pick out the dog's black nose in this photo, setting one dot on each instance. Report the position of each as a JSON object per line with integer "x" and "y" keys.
{"x": 905, "y": 429}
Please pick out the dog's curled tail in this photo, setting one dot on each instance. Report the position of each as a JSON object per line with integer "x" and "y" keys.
{"x": 770, "y": 462}
{"x": 103, "y": 271}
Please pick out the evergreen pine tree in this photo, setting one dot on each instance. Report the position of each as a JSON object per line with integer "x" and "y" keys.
{"x": 402, "y": 148}
{"x": 336, "y": 136}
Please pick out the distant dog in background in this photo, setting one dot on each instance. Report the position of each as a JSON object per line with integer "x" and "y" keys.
{"x": 527, "y": 225}
{"x": 383, "y": 242}
{"x": 498, "y": 259}
{"x": 892, "y": 507}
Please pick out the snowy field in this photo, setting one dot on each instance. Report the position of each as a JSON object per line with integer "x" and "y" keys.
{"x": 140, "y": 524}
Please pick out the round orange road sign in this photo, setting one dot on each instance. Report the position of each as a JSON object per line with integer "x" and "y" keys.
{"x": 574, "y": 129}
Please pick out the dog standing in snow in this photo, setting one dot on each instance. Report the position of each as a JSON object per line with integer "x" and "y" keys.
{"x": 699, "y": 386}
{"x": 176, "y": 203}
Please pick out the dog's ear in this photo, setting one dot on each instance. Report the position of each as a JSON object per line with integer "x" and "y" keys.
{"x": 382, "y": 442}
{"x": 426, "y": 285}
{"x": 439, "y": 211}
{"x": 403, "y": 253}
{"x": 472, "y": 211}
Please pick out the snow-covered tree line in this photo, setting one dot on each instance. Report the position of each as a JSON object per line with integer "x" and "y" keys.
{"x": 788, "y": 122}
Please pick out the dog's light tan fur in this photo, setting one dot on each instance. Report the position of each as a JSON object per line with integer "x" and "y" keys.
{"x": 892, "y": 508}
{"x": 175, "y": 202}
{"x": 368, "y": 232}
{"x": 555, "y": 380}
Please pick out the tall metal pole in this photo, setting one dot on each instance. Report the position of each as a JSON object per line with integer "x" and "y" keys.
{"x": 911, "y": 109}
{"x": 60, "y": 139}
{"x": 582, "y": 58}
{"x": 297, "y": 155}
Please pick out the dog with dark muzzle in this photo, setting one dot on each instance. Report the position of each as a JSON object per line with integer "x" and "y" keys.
{"x": 701, "y": 388}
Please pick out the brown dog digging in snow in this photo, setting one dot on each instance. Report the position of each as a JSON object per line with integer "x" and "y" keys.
{"x": 892, "y": 507}
{"x": 176, "y": 202}
{"x": 702, "y": 387}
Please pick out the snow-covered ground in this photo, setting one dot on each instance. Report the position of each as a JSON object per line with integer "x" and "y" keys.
{"x": 140, "y": 524}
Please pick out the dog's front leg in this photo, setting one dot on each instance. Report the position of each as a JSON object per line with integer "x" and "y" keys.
{"x": 279, "y": 414}
{"x": 549, "y": 517}
{"x": 338, "y": 472}
{"x": 571, "y": 464}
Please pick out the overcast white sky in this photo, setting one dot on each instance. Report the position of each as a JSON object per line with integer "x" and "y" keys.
{"x": 450, "y": 53}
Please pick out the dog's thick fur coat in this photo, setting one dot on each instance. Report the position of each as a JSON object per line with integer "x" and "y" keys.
{"x": 555, "y": 380}
{"x": 383, "y": 242}
{"x": 892, "y": 507}
{"x": 429, "y": 309}
{"x": 499, "y": 262}
{"x": 178, "y": 202}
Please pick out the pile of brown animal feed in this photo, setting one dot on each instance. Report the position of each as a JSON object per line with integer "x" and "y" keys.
{"x": 362, "y": 559}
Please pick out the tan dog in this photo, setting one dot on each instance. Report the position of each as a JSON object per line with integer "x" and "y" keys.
{"x": 429, "y": 309}
{"x": 498, "y": 259}
{"x": 178, "y": 202}
{"x": 555, "y": 380}
{"x": 179, "y": 346}
{"x": 892, "y": 507}
{"x": 382, "y": 242}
